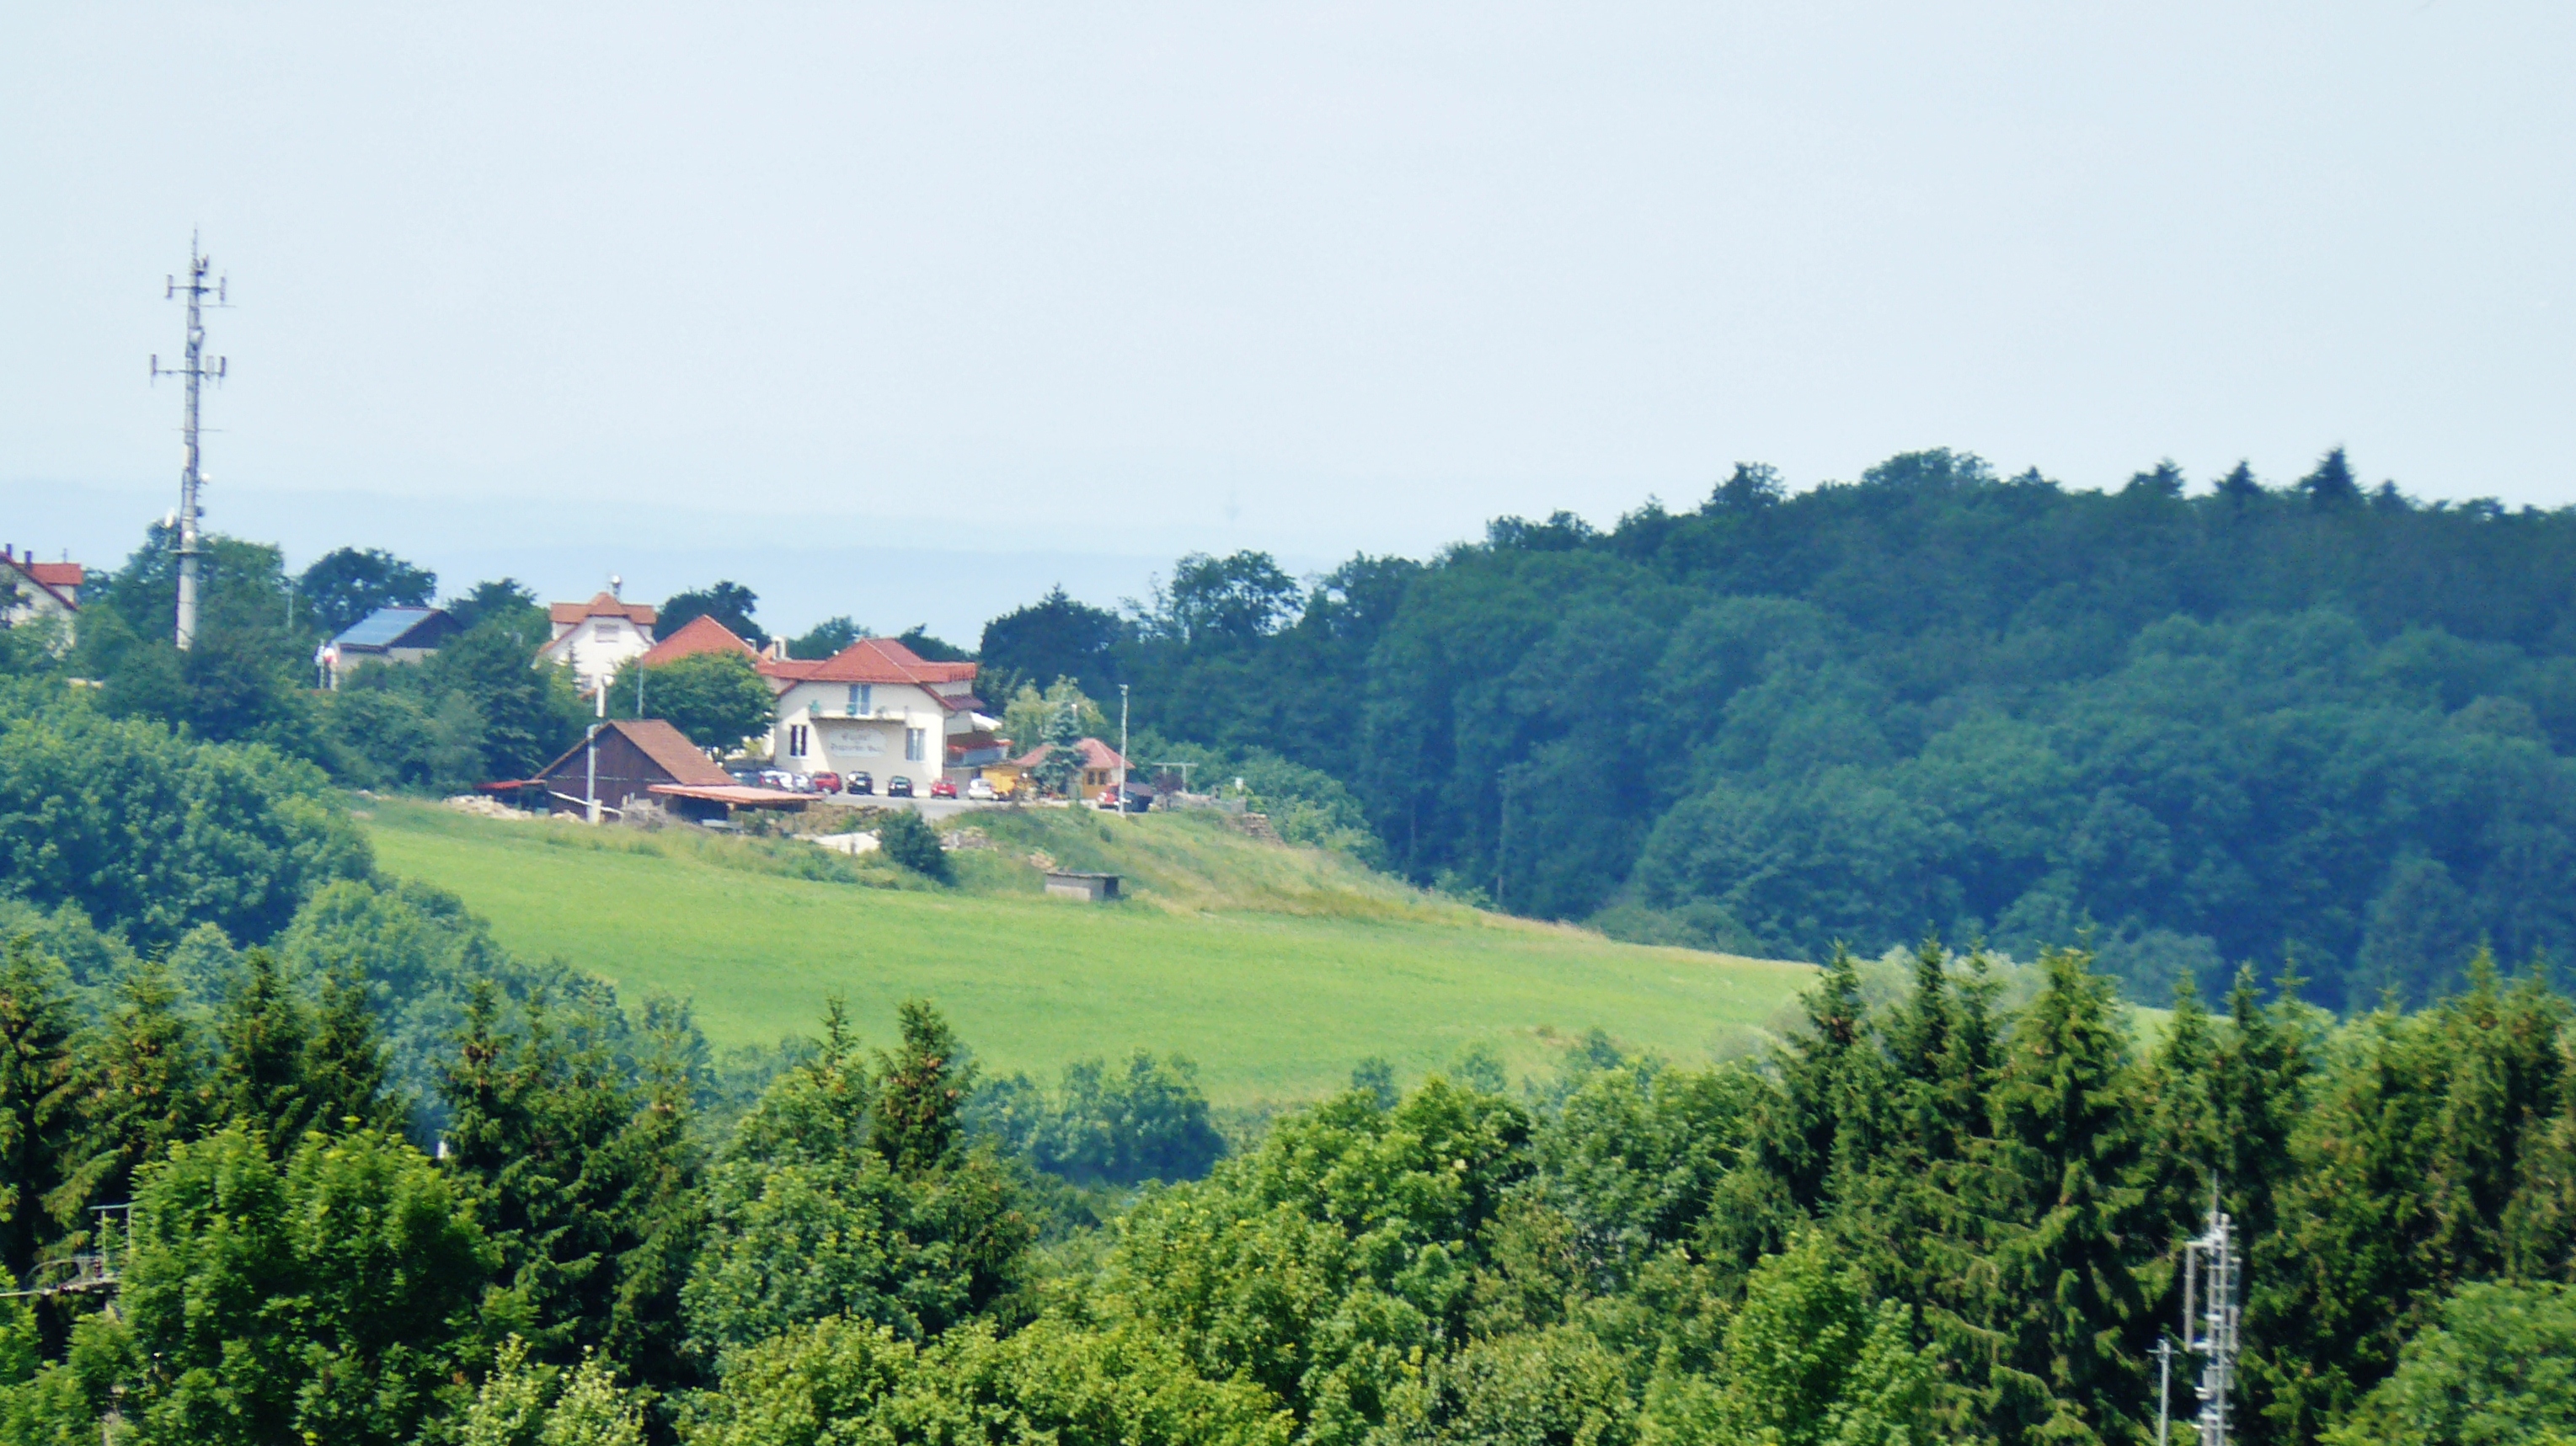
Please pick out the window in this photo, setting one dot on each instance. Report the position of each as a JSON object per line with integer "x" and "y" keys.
{"x": 867, "y": 698}
{"x": 854, "y": 700}
{"x": 913, "y": 741}
{"x": 796, "y": 740}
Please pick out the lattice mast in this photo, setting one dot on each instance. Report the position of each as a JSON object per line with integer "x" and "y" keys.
{"x": 2212, "y": 1308}
{"x": 194, "y": 371}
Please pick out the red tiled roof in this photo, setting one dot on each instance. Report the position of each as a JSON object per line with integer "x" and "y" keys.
{"x": 668, "y": 747}
{"x": 700, "y": 634}
{"x": 870, "y": 660}
{"x": 62, "y": 579}
{"x": 603, "y": 605}
{"x": 1095, "y": 754}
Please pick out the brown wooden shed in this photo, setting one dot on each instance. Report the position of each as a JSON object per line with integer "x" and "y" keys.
{"x": 634, "y": 755}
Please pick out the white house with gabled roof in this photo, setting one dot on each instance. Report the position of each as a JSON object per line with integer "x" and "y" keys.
{"x": 878, "y": 708}
{"x": 596, "y": 638}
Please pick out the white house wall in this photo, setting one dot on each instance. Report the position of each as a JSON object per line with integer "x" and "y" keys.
{"x": 596, "y": 647}
{"x": 841, "y": 738}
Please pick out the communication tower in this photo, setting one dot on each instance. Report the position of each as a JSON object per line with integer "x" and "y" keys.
{"x": 195, "y": 370}
{"x": 2212, "y": 1307}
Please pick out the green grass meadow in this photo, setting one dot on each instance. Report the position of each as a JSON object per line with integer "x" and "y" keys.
{"x": 1276, "y": 969}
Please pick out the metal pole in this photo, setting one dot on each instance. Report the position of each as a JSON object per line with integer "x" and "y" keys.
{"x": 193, "y": 371}
{"x": 590, "y": 763}
{"x": 1122, "y": 748}
{"x": 2164, "y": 1390}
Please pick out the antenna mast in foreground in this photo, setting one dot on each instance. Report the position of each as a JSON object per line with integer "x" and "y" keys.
{"x": 194, "y": 370}
{"x": 2212, "y": 1286}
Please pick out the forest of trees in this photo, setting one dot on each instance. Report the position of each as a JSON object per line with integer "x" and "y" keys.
{"x": 389, "y": 1184}
{"x": 2321, "y": 721}
{"x": 1946, "y": 1208}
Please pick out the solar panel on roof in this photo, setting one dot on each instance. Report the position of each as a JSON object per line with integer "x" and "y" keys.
{"x": 383, "y": 627}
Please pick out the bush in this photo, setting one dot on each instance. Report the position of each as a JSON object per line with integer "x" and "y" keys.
{"x": 1148, "y": 1121}
{"x": 153, "y": 834}
{"x": 914, "y": 844}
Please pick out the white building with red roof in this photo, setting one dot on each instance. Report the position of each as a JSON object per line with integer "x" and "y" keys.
{"x": 596, "y": 638}
{"x": 876, "y": 707}
{"x": 43, "y": 589}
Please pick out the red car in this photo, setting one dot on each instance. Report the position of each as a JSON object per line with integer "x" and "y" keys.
{"x": 943, "y": 789}
{"x": 827, "y": 782}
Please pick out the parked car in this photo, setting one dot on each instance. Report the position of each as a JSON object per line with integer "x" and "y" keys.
{"x": 942, "y": 788}
{"x": 747, "y": 777}
{"x": 981, "y": 790}
{"x": 827, "y": 782}
{"x": 860, "y": 782}
{"x": 778, "y": 778}
{"x": 898, "y": 787}
{"x": 1138, "y": 799}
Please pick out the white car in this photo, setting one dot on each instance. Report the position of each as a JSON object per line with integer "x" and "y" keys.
{"x": 980, "y": 789}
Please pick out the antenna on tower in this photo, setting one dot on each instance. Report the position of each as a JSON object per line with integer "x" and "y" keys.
{"x": 195, "y": 370}
{"x": 2212, "y": 1306}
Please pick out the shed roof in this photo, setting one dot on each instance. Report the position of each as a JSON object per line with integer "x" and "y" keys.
{"x": 385, "y": 627}
{"x": 667, "y": 747}
{"x": 1095, "y": 754}
{"x": 736, "y": 794}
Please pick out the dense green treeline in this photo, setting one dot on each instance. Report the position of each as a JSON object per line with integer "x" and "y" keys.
{"x": 2318, "y": 720}
{"x": 389, "y": 1185}
{"x": 1936, "y": 1218}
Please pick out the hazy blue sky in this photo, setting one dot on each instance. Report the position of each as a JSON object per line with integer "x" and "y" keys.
{"x": 910, "y": 310}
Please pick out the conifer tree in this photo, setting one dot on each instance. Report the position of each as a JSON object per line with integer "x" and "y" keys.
{"x": 142, "y": 1087}
{"x": 263, "y": 1033}
{"x": 347, "y": 1070}
{"x": 1819, "y": 1087}
{"x": 2069, "y": 1147}
{"x": 570, "y": 1166}
{"x": 657, "y": 1164}
{"x": 36, "y": 1098}
{"x": 921, "y": 1087}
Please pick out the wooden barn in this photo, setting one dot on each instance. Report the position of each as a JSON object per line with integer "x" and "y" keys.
{"x": 639, "y": 758}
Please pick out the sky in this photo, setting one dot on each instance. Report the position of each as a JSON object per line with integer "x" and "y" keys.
{"x": 909, "y": 311}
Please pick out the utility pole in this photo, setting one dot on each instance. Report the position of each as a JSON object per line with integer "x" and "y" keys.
{"x": 2164, "y": 1390}
{"x": 590, "y": 762}
{"x": 1502, "y": 840}
{"x": 194, "y": 371}
{"x": 2211, "y": 1291}
{"x": 1122, "y": 748}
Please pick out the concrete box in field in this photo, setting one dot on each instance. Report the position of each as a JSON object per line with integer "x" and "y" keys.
{"x": 1091, "y": 887}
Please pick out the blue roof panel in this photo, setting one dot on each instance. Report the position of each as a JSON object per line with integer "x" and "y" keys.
{"x": 384, "y": 627}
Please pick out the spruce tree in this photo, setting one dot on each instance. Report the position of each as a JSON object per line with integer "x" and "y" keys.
{"x": 1821, "y": 1080}
{"x": 263, "y": 1033}
{"x": 36, "y": 1098}
{"x": 143, "y": 1086}
{"x": 347, "y": 1070}
{"x": 921, "y": 1087}
{"x": 2069, "y": 1149}
{"x": 544, "y": 1126}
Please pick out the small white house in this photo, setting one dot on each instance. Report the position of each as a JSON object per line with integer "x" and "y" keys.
{"x": 875, "y": 707}
{"x": 42, "y": 590}
{"x": 596, "y": 638}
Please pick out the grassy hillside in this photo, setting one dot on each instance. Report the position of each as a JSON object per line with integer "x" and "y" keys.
{"x": 1275, "y": 968}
